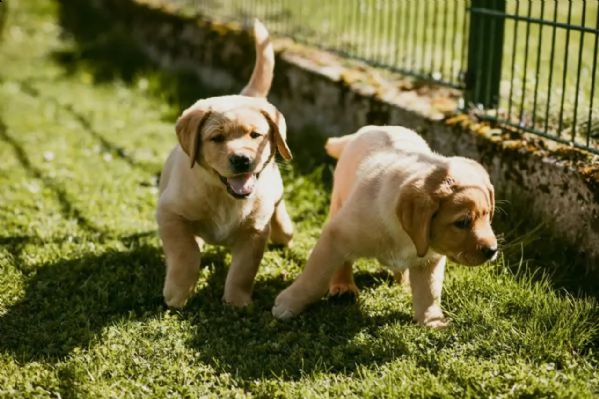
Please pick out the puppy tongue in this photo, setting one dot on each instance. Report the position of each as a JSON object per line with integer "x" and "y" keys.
{"x": 242, "y": 184}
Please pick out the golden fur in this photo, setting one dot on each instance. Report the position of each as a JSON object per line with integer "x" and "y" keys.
{"x": 220, "y": 185}
{"x": 397, "y": 201}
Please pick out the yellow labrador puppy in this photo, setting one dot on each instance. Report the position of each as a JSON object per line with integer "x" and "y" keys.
{"x": 221, "y": 185}
{"x": 397, "y": 201}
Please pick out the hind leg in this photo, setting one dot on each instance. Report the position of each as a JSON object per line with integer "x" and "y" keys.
{"x": 281, "y": 226}
{"x": 342, "y": 281}
{"x": 312, "y": 283}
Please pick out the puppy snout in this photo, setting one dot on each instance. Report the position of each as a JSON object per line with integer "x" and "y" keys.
{"x": 490, "y": 251}
{"x": 240, "y": 163}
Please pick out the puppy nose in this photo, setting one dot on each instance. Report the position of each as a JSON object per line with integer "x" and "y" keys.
{"x": 489, "y": 252}
{"x": 240, "y": 163}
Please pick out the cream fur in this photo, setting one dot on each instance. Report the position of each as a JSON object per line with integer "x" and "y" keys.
{"x": 197, "y": 204}
{"x": 397, "y": 201}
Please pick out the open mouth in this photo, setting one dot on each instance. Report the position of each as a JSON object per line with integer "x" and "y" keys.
{"x": 240, "y": 186}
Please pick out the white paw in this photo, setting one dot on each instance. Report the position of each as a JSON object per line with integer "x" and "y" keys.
{"x": 282, "y": 313}
{"x": 284, "y": 307}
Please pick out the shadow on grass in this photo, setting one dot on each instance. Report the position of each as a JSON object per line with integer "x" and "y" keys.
{"x": 250, "y": 344}
{"x": 68, "y": 302}
{"x": 67, "y": 208}
{"x": 107, "y": 146}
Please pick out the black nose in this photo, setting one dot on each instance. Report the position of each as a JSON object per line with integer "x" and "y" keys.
{"x": 489, "y": 252}
{"x": 240, "y": 163}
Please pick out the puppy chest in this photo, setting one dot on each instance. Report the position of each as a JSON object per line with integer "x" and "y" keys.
{"x": 215, "y": 231}
{"x": 396, "y": 257}
{"x": 219, "y": 225}
{"x": 393, "y": 260}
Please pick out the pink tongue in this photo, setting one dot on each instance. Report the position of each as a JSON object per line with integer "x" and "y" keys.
{"x": 242, "y": 184}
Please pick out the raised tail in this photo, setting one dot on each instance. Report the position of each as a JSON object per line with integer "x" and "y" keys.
{"x": 335, "y": 145}
{"x": 261, "y": 79}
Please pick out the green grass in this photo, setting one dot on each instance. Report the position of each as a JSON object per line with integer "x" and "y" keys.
{"x": 538, "y": 89}
{"x": 84, "y": 128}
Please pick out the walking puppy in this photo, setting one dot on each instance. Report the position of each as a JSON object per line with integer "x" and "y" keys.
{"x": 397, "y": 201}
{"x": 221, "y": 185}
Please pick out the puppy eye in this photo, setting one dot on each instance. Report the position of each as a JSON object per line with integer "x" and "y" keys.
{"x": 219, "y": 138}
{"x": 255, "y": 135}
{"x": 463, "y": 223}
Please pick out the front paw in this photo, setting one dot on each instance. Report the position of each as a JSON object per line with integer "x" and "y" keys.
{"x": 175, "y": 296}
{"x": 441, "y": 322}
{"x": 286, "y": 307}
{"x": 237, "y": 299}
{"x": 433, "y": 318}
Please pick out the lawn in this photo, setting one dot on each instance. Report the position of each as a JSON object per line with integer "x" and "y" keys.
{"x": 84, "y": 128}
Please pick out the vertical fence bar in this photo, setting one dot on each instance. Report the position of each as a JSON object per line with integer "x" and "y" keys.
{"x": 342, "y": 28}
{"x": 424, "y": 37}
{"x": 525, "y": 70}
{"x": 406, "y": 35}
{"x": 444, "y": 36}
{"x": 390, "y": 39}
{"x": 373, "y": 29}
{"x": 363, "y": 26}
{"x": 434, "y": 45}
{"x": 595, "y": 54}
{"x": 381, "y": 28}
{"x": 481, "y": 33}
{"x": 565, "y": 74}
{"x": 453, "y": 45}
{"x": 487, "y": 92}
{"x": 413, "y": 61}
{"x": 551, "y": 62}
{"x": 394, "y": 42}
{"x": 580, "y": 46}
{"x": 355, "y": 6}
{"x": 538, "y": 69}
{"x": 463, "y": 52}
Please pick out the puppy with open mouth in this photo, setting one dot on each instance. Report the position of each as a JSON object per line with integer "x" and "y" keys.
{"x": 397, "y": 201}
{"x": 220, "y": 185}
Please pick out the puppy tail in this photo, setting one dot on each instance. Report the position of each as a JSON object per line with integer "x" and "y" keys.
{"x": 335, "y": 145}
{"x": 261, "y": 80}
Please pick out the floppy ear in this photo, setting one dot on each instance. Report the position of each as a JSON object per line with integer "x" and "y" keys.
{"x": 415, "y": 209}
{"x": 189, "y": 125}
{"x": 278, "y": 127}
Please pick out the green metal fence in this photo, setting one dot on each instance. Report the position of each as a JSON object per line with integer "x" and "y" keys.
{"x": 528, "y": 64}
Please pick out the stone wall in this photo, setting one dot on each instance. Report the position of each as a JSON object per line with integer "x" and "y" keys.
{"x": 313, "y": 88}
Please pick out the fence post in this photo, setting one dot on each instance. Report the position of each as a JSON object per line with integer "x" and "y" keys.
{"x": 485, "y": 50}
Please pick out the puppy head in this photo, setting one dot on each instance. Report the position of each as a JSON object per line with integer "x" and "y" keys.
{"x": 450, "y": 209}
{"x": 235, "y": 137}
